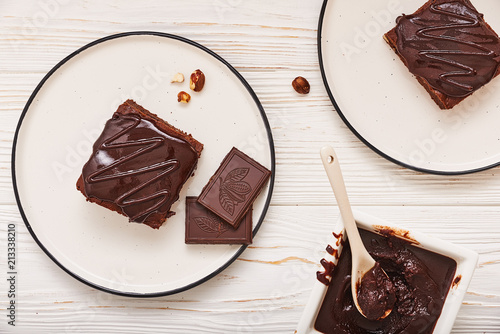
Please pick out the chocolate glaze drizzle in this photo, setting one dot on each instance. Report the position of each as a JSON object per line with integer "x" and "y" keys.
{"x": 450, "y": 46}
{"x": 324, "y": 276}
{"x": 137, "y": 167}
{"x": 328, "y": 266}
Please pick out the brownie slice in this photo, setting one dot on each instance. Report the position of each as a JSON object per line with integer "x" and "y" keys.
{"x": 138, "y": 165}
{"x": 449, "y": 47}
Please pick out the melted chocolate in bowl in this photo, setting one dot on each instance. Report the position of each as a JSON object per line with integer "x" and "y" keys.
{"x": 421, "y": 278}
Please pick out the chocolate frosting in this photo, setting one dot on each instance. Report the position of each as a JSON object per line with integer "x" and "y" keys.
{"x": 450, "y": 46}
{"x": 138, "y": 167}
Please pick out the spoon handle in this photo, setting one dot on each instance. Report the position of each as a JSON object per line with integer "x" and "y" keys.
{"x": 334, "y": 173}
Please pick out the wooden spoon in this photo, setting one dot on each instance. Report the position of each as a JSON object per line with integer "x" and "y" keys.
{"x": 377, "y": 300}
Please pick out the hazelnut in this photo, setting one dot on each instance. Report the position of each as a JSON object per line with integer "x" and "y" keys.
{"x": 197, "y": 80}
{"x": 301, "y": 85}
{"x": 179, "y": 77}
{"x": 183, "y": 97}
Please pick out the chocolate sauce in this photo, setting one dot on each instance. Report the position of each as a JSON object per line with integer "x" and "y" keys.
{"x": 138, "y": 167}
{"x": 328, "y": 266}
{"x": 324, "y": 276}
{"x": 330, "y": 250}
{"x": 376, "y": 293}
{"x": 457, "y": 280}
{"x": 448, "y": 44}
{"x": 421, "y": 279}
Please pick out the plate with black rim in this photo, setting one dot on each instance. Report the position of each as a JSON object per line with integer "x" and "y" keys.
{"x": 385, "y": 106}
{"x": 65, "y": 115}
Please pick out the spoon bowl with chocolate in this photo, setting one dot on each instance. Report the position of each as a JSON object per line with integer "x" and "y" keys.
{"x": 373, "y": 292}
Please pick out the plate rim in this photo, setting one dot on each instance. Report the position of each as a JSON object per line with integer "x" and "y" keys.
{"x": 358, "y": 135}
{"x": 210, "y": 53}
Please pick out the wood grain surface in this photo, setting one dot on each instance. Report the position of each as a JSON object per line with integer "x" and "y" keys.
{"x": 266, "y": 289}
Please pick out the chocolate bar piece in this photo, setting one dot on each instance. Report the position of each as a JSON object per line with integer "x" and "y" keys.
{"x": 234, "y": 186}
{"x": 204, "y": 227}
{"x": 449, "y": 47}
{"x": 139, "y": 165}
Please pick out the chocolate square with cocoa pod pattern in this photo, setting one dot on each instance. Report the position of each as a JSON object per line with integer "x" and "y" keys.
{"x": 234, "y": 186}
{"x": 205, "y": 227}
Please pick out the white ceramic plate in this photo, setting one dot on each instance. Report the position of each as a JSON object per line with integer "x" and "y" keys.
{"x": 65, "y": 115}
{"x": 466, "y": 264}
{"x": 385, "y": 106}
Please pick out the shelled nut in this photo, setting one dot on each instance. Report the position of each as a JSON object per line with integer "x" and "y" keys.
{"x": 301, "y": 85}
{"x": 197, "y": 80}
{"x": 183, "y": 97}
{"x": 178, "y": 77}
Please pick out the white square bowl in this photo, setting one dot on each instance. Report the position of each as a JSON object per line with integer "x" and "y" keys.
{"x": 466, "y": 263}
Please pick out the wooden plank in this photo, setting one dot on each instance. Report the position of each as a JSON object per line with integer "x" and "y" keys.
{"x": 269, "y": 284}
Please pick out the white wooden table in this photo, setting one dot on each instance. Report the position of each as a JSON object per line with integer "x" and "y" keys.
{"x": 265, "y": 290}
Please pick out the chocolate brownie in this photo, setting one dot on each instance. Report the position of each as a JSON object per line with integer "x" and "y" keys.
{"x": 139, "y": 165}
{"x": 449, "y": 47}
